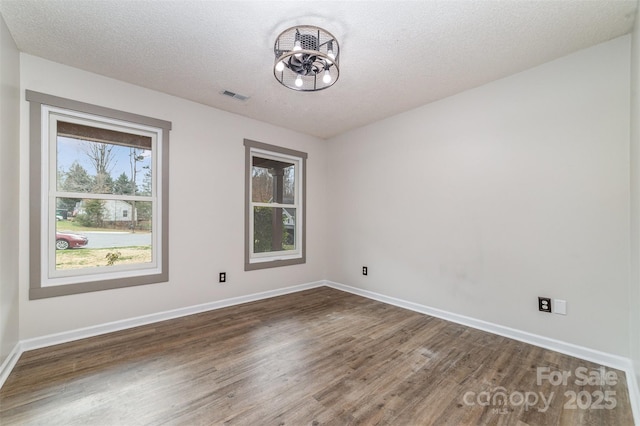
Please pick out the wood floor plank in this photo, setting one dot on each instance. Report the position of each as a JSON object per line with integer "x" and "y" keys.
{"x": 319, "y": 357}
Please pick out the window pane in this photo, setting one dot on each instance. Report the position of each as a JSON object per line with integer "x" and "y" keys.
{"x": 289, "y": 222}
{"x": 261, "y": 185}
{"x": 273, "y": 229}
{"x": 262, "y": 229}
{"x": 102, "y": 161}
{"x": 91, "y": 233}
{"x": 272, "y": 181}
{"x": 289, "y": 177}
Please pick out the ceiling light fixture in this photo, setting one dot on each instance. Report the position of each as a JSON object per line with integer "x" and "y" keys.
{"x": 306, "y": 58}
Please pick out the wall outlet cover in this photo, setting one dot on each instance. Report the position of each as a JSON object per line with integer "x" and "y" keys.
{"x": 544, "y": 304}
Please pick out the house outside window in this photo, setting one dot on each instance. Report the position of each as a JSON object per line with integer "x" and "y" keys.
{"x": 90, "y": 167}
{"x": 275, "y": 206}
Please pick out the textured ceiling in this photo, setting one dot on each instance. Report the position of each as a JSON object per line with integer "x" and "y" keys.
{"x": 395, "y": 55}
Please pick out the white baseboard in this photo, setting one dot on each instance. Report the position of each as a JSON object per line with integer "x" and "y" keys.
{"x": 9, "y": 363}
{"x": 82, "y": 333}
{"x": 598, "y": 357}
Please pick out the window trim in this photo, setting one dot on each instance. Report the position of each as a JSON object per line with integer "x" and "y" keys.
{"x": 296, "y": 205}
{"x": 36, "y": 288}
{"x": 53, "y": 277}
{"x": 275, "y": 260}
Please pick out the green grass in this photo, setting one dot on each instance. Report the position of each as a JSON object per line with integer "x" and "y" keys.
{"x": 85, "y": 257}
{"x": 75, "y": 227}
{"x": 71, "y": 226}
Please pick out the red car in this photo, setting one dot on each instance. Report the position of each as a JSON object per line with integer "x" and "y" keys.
{"x": 65, "y": 240}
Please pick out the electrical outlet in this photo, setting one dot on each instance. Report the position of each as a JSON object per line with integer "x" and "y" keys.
{"x": 223, "y": 277}
{"x": 544, "y": 304}
{"x": 365, "y": 270}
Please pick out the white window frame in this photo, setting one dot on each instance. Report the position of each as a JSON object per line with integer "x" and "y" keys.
{"x": 297, "y": 205}
{"x": 275, "y": 258}
{"x": 53, "y": 277}
{"x": 45, "y": 280}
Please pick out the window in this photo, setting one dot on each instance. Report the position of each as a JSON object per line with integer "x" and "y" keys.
{"x": 275, "y": 206}
{"x": 99, "y": 198}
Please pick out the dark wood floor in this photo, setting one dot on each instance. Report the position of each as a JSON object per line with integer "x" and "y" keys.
{"x": 320, "y": 356}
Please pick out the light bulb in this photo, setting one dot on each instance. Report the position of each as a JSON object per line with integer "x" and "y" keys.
{"x": 299, "y": 81}
{"x": 297, "y": 46}
{"x": 330, "y": 52}
{"x": 326, "y": 78}
{"x": 279, "y": 66}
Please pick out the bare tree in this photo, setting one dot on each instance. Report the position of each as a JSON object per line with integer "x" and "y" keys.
{"x": 103, "y": 161}
{"x": 134, "y": 158}
{"x": 262, "y": 185}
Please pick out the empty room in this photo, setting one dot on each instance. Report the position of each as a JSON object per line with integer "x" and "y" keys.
{"x": 319, "y": 212}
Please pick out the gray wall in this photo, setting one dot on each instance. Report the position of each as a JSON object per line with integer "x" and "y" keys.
{"x": 481, "y": 202}
{"x": 206, "y": 193}
{"x": 634, "y": 289}
{"x": 9, "y": 190}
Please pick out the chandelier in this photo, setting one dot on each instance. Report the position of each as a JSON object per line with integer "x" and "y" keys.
{"x": 306, "y": 58}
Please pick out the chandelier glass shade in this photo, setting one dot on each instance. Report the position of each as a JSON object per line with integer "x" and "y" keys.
{"x": 306, "y": 58}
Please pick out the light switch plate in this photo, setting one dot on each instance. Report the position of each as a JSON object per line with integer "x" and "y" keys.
{"x": 559, "y": 306}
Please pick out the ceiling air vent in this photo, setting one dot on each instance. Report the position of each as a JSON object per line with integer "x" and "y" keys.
{"x": 234, "y": 95}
